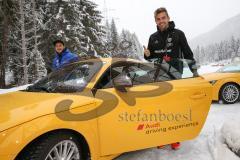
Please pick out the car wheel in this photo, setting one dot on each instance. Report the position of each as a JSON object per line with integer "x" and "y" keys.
{"x": 60, "y": 146}
{"x": 229, "y": 93}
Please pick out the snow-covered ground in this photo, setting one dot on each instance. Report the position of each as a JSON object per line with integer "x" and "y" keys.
{"x": 208, "y": 69}
{"x": 209, "y": 145}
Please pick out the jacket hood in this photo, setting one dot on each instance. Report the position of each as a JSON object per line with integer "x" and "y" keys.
{"x": 170, "y": 27}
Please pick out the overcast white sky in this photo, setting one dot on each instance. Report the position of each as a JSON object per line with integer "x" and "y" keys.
{"x": 192, "y": 16}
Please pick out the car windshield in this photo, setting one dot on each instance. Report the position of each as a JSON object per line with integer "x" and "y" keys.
{"x": 70, "y": 79}
{"x": 230, "y": 68}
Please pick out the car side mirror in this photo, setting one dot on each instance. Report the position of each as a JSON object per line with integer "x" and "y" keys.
{"x": 121, "y": 82}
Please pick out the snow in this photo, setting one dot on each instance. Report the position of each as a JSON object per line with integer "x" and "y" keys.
{"x": 231, "y": 134}
{"x": 59, "y": 13}
{"x": 9, "y": 77}
{"x": 68, "y": 27}
{"x": 60, "y": 33}
{"x": 213, "y": 67}
{"x": 3, "y": 91}
{"x": 208, "y": 69}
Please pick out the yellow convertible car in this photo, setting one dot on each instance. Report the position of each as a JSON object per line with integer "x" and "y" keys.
{"x": 99, "y": 108}
{"x": 226, "y": 83}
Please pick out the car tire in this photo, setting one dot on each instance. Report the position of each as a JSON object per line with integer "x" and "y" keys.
{"x": 229, "y": 93}
{"x": 52, "y": 146}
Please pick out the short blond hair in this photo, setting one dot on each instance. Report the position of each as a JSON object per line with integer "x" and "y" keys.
{"x": 160, "y": 10}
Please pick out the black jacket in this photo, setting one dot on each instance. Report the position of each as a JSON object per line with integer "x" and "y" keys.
{"x": 171, "y": 42}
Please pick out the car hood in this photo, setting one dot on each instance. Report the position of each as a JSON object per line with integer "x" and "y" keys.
{"x": 19, "y": 107}
{"x": 218, "y": 76}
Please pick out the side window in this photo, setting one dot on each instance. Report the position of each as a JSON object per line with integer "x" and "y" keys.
{"x": 177, "y": 68}
{"x": 187, "y": 73}
{"x": 141, "y": 73}
{"x": 162, "y": 73}
{"x": 106, "y": 80}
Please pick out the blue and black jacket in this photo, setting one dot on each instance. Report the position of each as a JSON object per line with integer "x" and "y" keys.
{"x": 63, "y": 59}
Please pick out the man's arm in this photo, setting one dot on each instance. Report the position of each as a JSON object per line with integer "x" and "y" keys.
{"x": 186, "y": 50}
{"x": 150, "y": 49}
{"x": 75, "y": 58}
{"x": 187, "y": 53}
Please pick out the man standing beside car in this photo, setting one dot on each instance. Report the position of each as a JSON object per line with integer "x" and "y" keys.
{"x": 169, "y": 44}
{"x": 63, "y": 55}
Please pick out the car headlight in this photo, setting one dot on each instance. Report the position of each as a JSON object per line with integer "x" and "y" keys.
{"x": 213, "y": 82}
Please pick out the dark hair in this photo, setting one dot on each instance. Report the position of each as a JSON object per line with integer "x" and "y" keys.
{"x": 58, "y": 41}
{"x": 160, "y": 10}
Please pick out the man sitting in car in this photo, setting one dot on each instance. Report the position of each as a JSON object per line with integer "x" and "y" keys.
{"x": 63, "y": 55}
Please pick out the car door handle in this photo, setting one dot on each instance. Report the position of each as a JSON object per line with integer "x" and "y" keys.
{"x": 198, "y": 96}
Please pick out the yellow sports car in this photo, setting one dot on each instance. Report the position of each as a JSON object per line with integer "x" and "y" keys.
{"x": 226, "y": 83}
{"x": 99, "y": 108}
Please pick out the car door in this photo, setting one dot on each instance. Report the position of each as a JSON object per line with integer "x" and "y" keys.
{"x": 156, "y": 110}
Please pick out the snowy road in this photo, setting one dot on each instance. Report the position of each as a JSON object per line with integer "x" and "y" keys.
{"x": 207, "y": 146}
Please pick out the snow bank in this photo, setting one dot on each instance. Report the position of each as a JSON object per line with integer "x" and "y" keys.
{"x": 208, "y": 69}
{"x": 3, "y": 91}
{"x": 231, "y": 134}
{"x": 213, "y": 67}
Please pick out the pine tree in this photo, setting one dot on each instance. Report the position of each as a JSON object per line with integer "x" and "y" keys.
{"x": 93, "y": 30}
{"x": 39, "y": 64}
{"x": 48, "y": 11}
{"x": 238, "y": 53}
{"x": 6, "y": 20}
{"x": 114, "y": 40}
{"x": 106, "y": 40}
{"x": 125, "y": 44}
{"x": 25, "y": 59}
{"x": 226, "y": 49}
{"x": 75, "y": 22}
{"x": 137, "y": 47}
{"x": 130, "y": 46}
{"x": 203, "y": 53}
{"x": 22, "y": 42}
{"x": 107, "y": 30}
{"x": 197, "y": 54}
{"x": 28, "y": 28}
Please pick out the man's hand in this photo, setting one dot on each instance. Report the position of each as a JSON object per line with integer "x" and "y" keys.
{"x": 195, "y": 73}
{"x": 146, "y": 52}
